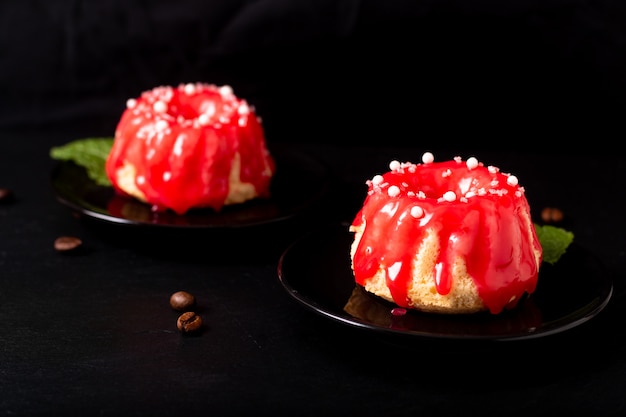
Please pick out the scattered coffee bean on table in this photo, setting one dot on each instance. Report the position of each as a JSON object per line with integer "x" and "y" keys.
{"x": 182, "y": 301}
{"x": 67, "y": 244}
{"x": 552, "y": 215}
{"x": 189, "y": 322}
{"x": 6, "y": 195}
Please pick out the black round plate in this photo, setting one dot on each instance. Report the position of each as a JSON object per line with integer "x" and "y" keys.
{"x": 300, "y": 181}
{"x": 315, "y": 270}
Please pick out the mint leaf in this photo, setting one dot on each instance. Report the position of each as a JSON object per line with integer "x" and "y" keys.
{"x": 90, "y": 153}
{"x": 554, "y": 242}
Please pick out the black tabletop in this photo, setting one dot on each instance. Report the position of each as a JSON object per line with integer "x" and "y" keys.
{"x": 535, "y": 87}
{"x": 92, "y": 332}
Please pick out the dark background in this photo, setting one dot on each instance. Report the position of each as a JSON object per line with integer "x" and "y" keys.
{"x": 536, "y": 87}
{"x": 513, "y": 74}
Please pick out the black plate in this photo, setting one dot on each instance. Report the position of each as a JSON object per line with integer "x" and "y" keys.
{"x": 300, "y": 181}
{"x": 315, "y": 270}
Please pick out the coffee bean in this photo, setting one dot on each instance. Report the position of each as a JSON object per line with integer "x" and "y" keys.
{"x": 551, "y": 215}
{"x": 67, "y": 244}
{"x": 189, "y": 322}
{"x": 6, "y": 195}
{"x": 182, "y": 301}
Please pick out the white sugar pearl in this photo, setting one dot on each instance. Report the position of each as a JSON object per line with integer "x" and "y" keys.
{"x": 512, "y": 180}
{"x": 393, "y": 191}
{"x": 378, "y": 179}
{"x": 243, "y": 108}
{"x": 428, "y": 158}
{"x": 226, "y": 91}
{"x": 472, "y": 163}
{"x": 394, "y": 165}
{"x": 190, "y": 89}
{"x": 417, "y": 212}
{"x": 159, "y": 106}
{"x": 131, "y": 103}
{"x": 203, "y": 119}
{"x": 161, "y": 125}
{"x": 449, "y": 196}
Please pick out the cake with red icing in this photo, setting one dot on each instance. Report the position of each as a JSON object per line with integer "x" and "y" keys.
{"x": 192, "y": 146}
{"x": 446, "y": 237}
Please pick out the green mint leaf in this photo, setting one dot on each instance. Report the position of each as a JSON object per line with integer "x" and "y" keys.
{"x": 90, "y": 153}
{"x": 554, "y": 241}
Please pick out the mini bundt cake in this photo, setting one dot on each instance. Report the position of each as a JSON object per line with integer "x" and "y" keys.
{"x": 191, "y": 146}
{"x": 446, "y": 237}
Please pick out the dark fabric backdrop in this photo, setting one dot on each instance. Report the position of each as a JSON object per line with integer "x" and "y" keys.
{"x": 493, "y": 73}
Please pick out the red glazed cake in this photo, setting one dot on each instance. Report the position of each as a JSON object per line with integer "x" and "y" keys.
{"x": 446, "y": 237}
{"x": 187, "y": 147}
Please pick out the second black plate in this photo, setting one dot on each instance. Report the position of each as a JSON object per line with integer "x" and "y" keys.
{"x": 299, "y": 182}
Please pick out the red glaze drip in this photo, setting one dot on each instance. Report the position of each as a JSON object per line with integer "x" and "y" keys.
{"x": 182, "y": 142}
{"x": 490, "y": 230}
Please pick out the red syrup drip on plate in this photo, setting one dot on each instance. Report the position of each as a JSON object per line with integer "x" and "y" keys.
{"x": 183, "y": 161}
{"x": 490, "y": 230}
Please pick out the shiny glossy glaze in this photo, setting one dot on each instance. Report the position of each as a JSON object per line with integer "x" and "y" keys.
{"x": 182, "y": 143}
{"x": 486, "y": 221}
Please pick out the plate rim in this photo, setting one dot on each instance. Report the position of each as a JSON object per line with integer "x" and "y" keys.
{"x": 362, "y": 324}
{"x": 278, "y": 152}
